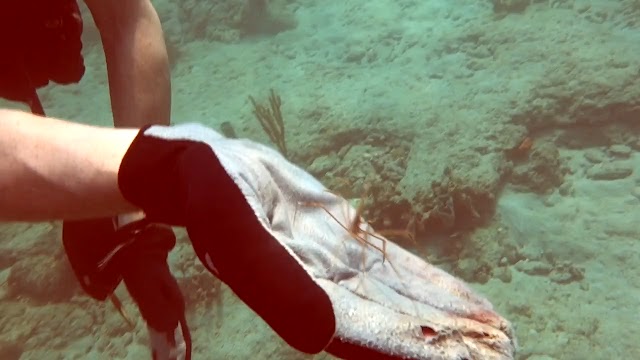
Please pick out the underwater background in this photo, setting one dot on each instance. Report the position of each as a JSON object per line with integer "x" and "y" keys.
{"x": 505, "y": 133}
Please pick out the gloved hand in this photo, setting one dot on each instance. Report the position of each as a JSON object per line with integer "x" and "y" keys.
{"x": 102, "y": 256}
{"x": 298, "y": 256}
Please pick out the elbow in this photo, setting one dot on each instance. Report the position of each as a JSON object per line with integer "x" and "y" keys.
{"x": 118, "y": 20}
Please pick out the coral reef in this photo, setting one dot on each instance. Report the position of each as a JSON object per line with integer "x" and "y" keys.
{"x": 231, "y": 20}
{"x": 510, "y": 6}
{"x": 489, "y": 252}
{"x": 455, "y": 204}
{"x": 37, "y": 272}
{"x": 43, "y": 278}
{"x": 366, "y": 161}
{"x": 541, "y": 172}
{"x": 270, "y": 118}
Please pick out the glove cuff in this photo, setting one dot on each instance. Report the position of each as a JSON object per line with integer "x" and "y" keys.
{"x": 147, "y": 159}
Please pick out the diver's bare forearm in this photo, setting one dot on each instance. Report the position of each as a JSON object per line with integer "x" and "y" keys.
{"x": 52, "y": 169}
{"x": 137, "y": 61}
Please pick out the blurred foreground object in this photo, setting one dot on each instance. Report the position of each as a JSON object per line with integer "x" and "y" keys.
{"x": 41, "y": 42}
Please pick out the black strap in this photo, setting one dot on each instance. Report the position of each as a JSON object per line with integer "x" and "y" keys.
{"x": 32, "y": 98}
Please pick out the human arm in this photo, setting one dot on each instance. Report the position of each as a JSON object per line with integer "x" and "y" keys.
{"x": 137, "y": 61}
{"x": 42, "y": 177}
{"x": 53, "y": 169}
{"x": 140, "y": 90}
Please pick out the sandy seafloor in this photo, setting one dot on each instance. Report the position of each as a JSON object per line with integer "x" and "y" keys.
{"x": 457, "y": 75}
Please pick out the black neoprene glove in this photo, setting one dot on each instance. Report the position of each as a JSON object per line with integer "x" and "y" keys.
{"x": 182, "y": 183}
{"x": 150, "y": 283}
{"x": 136, "y": 253}
{"x": 147, "y": 277}
{"x": 87, "y": 244}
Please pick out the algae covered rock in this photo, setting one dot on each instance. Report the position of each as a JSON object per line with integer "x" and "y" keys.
{"x": 542, "y": 171}
{"x": 43, "y": 278}
{"x": 10, "y": 350}
{"x": 231, "y": 20}
{"x": 510, "y": 6}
